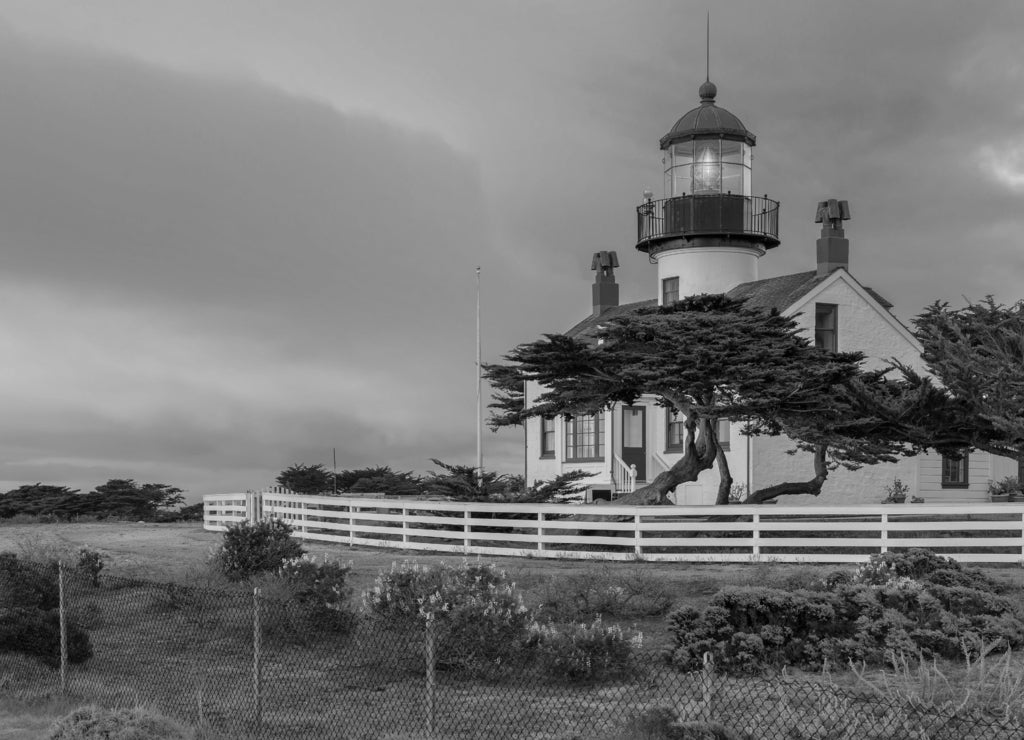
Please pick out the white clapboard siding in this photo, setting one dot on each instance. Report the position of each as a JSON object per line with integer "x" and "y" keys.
{"x": 983, "y": 532}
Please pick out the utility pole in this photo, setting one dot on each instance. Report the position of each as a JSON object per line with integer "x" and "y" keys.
{"x": 479, "y": 397}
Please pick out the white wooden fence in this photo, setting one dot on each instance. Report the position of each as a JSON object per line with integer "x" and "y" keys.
{"x": 992, "y": 533}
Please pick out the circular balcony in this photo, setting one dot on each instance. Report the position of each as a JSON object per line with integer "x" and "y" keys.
{"x": 696, "y": 218}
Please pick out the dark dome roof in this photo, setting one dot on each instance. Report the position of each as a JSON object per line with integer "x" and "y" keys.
{"x": 707, "y": 119}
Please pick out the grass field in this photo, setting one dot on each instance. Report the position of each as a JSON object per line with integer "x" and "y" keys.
{"x": 306, "y": 678}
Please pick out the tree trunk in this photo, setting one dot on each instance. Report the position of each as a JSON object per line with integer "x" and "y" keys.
{"x": 725, "y": 479}
{"x": 813, "y": 486}
{"x": 699, "y": 455}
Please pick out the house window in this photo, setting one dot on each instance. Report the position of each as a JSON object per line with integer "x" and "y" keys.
{"x": 954, "y": 471}
{"x": 584, "y": 437}
{"x": 724, "y": 427}
{"x": 825, "y": 327}
{"x": 675, "y": 432}
{"x": 547, "y": 436}
{"x": 669, "y": 291}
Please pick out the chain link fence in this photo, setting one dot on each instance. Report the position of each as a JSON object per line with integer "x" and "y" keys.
{"x": 238, "y": 663}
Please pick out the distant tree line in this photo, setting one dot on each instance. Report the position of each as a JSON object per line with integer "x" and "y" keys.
{"x": 455, "y": 482}
{"x": 118, "y": 498}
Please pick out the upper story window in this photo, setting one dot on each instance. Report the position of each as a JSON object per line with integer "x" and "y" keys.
{"x": 826, "y": 326}
{"x": 669, "y": 290}
{"x": 547, "y": 436}
{"x": 584, "y": 437}
{"x": 955, "y": 471}
{"x": 675, "y": 432}
{"x": 724, "y": 431}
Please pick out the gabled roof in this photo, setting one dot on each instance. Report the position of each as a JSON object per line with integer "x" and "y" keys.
{"x": 590, "y": 324}
{"x": 777, "y": 293}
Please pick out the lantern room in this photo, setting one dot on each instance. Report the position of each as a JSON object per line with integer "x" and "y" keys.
{"x": 708, "y": 231}
{"x": 708, "y": 151}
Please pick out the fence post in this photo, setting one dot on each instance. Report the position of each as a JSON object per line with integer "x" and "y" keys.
{"x": 466, "y": 516}
{"x": 257, "y": 668}
{"x": 540, "y": 530}
{"x": 757, "y": 536}
{"x": 63, "y": 614}
{"x": 405, "y": 525}
{"x": 707, "y": 695}
{"x": 351, "y": 525}
{"x": 637, "y": 547}
{"x": 885, "y": 532}
{"x": 431, "y": 658}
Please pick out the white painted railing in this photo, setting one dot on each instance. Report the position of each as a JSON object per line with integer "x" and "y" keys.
{"x": 623, "y": 476}
{"x": 991, "y": 533}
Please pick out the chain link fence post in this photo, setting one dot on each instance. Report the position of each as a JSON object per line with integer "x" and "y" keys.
{"x": 257, "y": 668}
{"x": 62, "y": 611}
{"x": 707, "y": 694}
{"x": 429, "y": 652}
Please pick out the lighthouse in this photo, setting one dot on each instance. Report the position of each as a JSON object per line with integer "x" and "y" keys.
{"x": 708, "y": 232}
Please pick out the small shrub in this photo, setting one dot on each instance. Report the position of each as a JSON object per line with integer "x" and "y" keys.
{"x": 28, "y": 584}
{"x": 90, "y": 563}
{"x": 96, "y": 723}
{"x": 305, "y": 597}
{"x": 479, "y": 615}
{"x": 248, "y": 549}
{"x": 608, "y": 592}
{"x": 583, "y": 652}
{"x": 36, "y": 632}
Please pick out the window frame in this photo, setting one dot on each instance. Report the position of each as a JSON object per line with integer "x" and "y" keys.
{"x": 665, "y": 292}
{"x": 963, "y": 461}
{"x": 573, "y": 434}
{"x": 547, "y": 437}
{"x": 726, "y": 446}
{"x": 833, "y": 310}
{"x": 674, "y": 418}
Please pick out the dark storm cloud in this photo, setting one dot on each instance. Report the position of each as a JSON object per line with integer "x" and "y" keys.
{"x": 275, "y": 228}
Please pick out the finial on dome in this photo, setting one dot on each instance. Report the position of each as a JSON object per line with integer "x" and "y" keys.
{"x": 708, "y": 91}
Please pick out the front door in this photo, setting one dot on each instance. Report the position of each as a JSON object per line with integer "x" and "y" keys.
{"x": 634, "y": 439}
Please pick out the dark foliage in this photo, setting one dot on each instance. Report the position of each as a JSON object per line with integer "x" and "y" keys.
{"x": 381, "y": 479}
{"x": 262, "y": 546}
{"x": 913, "y": 604}
{"x": 36, "y": 632}
{"x": 117, "y": 498}
{"x": 31, "y": 585}
{"x": 307, "y": 479}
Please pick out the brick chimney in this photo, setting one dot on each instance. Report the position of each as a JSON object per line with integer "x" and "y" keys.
{"x": 606, "y": 290}
{"x": 833, "y": 246}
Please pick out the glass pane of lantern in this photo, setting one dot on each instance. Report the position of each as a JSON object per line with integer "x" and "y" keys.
{"x": 682, "y": 153}
{"x": 707, "y": 173}
{"x": 681, "y": 183}
{"x": 748, "y": 154}
{"x": 732, "y": 179}
{"x": 731, "y": 153}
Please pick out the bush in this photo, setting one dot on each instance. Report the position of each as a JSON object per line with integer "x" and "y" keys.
{"x": 96, "y": 723}
{"x": 479, "y": 616}
{"x": 914, "y": 603}
{"x": 27, "y": 584}
{"x": 37, "y": 632}
{"x": 606, "y": 592}
{"x": 583, "y": 652}
{"x": 90, "y": 563}
{"x": 248, "y": 549}
{"x": 663, "y": 723}
{"x": 307, "y": 598}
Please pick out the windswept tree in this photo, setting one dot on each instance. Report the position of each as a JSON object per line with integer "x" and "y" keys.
{"x": 708, "y": 358}
{"x": 975, "y": 398}
{"x": 307, "y": 479}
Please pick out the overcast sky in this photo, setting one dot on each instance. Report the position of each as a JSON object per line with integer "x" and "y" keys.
{"x": 236, "y": 234}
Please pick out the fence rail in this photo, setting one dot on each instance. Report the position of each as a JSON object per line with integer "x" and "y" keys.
{"x": 983, "y": 533}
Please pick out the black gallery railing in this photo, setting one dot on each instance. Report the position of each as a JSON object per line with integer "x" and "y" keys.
{"x": 716, "y": 214}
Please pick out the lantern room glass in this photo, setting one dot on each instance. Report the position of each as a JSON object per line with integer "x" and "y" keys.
{"x": 706, "y": 167}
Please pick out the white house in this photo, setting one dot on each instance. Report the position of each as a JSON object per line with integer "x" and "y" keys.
{"x": 707, "y": 235}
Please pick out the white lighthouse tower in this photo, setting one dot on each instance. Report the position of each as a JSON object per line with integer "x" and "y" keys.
{"x": 708, "y": 232}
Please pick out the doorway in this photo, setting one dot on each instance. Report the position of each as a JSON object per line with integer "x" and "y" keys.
{"x": 634, "y": 439}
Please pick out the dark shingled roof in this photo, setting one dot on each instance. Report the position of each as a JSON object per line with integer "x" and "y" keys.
{"x": 777, "y": 293}
{"x": 590, "y": 323}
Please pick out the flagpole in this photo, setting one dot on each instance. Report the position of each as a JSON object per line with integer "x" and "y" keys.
{"x": 479, "y": 398}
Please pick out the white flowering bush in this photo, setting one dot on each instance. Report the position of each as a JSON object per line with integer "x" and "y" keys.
{"x": 584, "y": 652}
{"x": 477, "y": 613}
{"x": 306, "y": 596}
